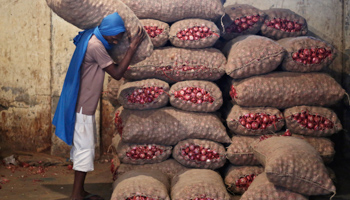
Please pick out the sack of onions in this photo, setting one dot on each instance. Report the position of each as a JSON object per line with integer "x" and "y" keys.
{"x": 198, "y": 184}
{"x": 306, "y": 54}
{"x": 239, "y": 151}
{"x": 140, "y": 153}
{"x": 201, "y": 96}
{"x": 175, "y": 10}
{"x": 194, "y": 33}
{"x": 141, "y": 184}
{"x": 239, "y": 178}
{"x": 312, "y": 121}
{"x": 144, "y": 94}
{"x": 254, "y": 120}
{"x": 240, "y": 19}
{"x": 251, "y": 55}
{"x": 324, "y": 146}
{"x": 157, "y": 30}
{"x": 287, "y": 89}
{"x": 87, "y": 14}
{"x": 168, "y": 126}
{"x": 281, "y": 23}
{"x": 303, "y": 170}
{"x": 197, "y": 153}
{"x": 177, "y": 64}
{"x": 169, "y": 167}
{"x": 262, "y": 189}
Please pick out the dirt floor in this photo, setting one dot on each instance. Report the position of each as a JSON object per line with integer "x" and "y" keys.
{"x": 51, "y": 178}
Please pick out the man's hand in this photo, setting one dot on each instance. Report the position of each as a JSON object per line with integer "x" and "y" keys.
{"x": 138, "y": 38}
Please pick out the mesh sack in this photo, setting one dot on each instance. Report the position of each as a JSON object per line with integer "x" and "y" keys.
{"x": 252, "y": 55}
{"x": 306, "y": 54}
{"x": 281, "y": 23}
{"x": 198, "y": 183}
{"x": 197, "y": 153}
{"x": 157, "y": 30}
{"x": 254, "y": 120}
{"x": 239, "y": 152}
{"x": 287, "y": 89}
{"x": 193, "y": 33}
{"x": 177, "y": 64}
{"x": 201, "y": 96}
{"x": 144, "y": 94}
{"x": 86, "y": 14}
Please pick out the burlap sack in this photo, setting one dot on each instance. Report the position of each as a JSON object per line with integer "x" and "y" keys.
{"x": 287, "y": 16}
{"x": 234, "y": 174}
{"x": 239, "y": 151}
{"x": 87, "y": 14}
{"x": 141, "y": 183}
{"x": 175, "y": 10}
{"x": 252, "y": 55}
{"x": 140, "y": 153}
{"x": 312, "y": 121}
{"x": 120, "y": 115}
{"x": 263, "y": 189}
{"x": 306, "y": 54}
{"x": 152, "y": 92}
{"x": 168, "y": 126}
{"x": 198, "y": 183}
{"x": 254, "y": 120}
{"x": 287, "y": 89}
{"x": 200, "y": 33}
{"x": 240, "y": 19}
{"x": 324, "y": 146}
{"x": 197, "y": 153}
{"x": 294, "y": 164}
{"x": 169, "y": 167}
{"x": 158, "y": 40}
{"x": 177, "y": 64}
{"x": 201, "y": 96}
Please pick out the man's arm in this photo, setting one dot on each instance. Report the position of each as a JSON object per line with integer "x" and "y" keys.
{"x": 117, "y": 71}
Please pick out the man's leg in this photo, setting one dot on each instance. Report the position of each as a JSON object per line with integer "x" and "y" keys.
{"x": 78, "y": 186}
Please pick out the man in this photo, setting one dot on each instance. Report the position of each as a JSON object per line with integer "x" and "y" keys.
{"x": 75, "y": 113}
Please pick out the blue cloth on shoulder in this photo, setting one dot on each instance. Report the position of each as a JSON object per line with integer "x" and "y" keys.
{"x": 64, "y": 118}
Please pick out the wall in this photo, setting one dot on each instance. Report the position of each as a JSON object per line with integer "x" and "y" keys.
{"x": 36, "y": 47}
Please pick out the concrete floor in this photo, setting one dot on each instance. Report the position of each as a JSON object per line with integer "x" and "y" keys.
{"x": 55, "y": 182}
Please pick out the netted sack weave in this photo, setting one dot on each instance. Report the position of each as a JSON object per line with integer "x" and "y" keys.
{"x": 312, "y": 121}
{"x": 86, "y": 14}
{"x": 201, "y": 96}
{"x": 168, "y": 126}
{"x": 241, "y": 19}
{"x": 254, "y": 120}
{"x": 177, "y": 64}
{"x": 193, "y": 33}
{"x": 281, "y": 23}
{"x": 306, "y": 54}
{"x": 157, "y": 30}
{"x": 263, "y": 189}
{"x": 141, "y": 183}
{"x": 239, "y": 151}
{"x": 294, "y": 164}
{"x": 238, "y": 178}
{"x": 169, "y": 167}
{"x": 144, "y": 94}
{"x": 324, "y": 146}
{"x": 175, "y": 10}
{"x": 140, "y": 153}
{"x": 113, "y": 86}
{"x": 197, "y": 153}
{"x": 287, "y": 89}
{"x": 252, "y": 55}
{"x": 198, "y": 183}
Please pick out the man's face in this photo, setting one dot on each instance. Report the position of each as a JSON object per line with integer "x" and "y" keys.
{"x": 114, "y": 39}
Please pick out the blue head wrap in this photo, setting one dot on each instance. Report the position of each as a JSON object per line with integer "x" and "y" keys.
{"x": 64, "y": 118}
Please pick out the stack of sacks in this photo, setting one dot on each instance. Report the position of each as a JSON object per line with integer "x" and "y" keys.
{"x": 276, "y": 86}
{"x": 168, "y": 100}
